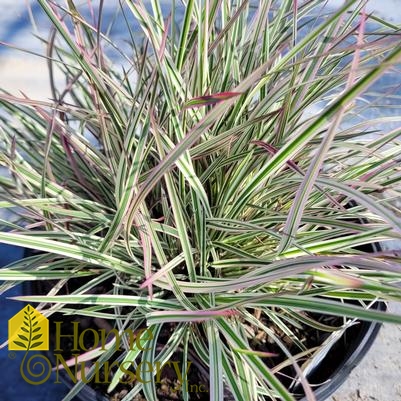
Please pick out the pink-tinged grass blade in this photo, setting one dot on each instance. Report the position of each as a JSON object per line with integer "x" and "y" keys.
{"x": 188, "y": 316}
{"x": 86, "y": 357}
{"x": 162, "y": 271}
{"x": 208, "y": 100}
{"x": 262, "y": 354}
{"x": 272, "y": 150}
{"x": 337, "y": 277}
{"x": 147, "y": 250}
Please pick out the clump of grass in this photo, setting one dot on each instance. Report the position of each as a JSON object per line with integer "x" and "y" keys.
{"x": 223, "y": 178}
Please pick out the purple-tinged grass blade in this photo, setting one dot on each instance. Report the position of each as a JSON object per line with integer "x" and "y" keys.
{"x": 208, "y": 100}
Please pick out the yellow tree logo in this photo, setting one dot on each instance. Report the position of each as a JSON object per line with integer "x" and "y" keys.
{"x": 28, "y": 330}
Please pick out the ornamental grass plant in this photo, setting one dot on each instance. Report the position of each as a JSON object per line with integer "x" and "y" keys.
{"x": 220, "y": 175}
